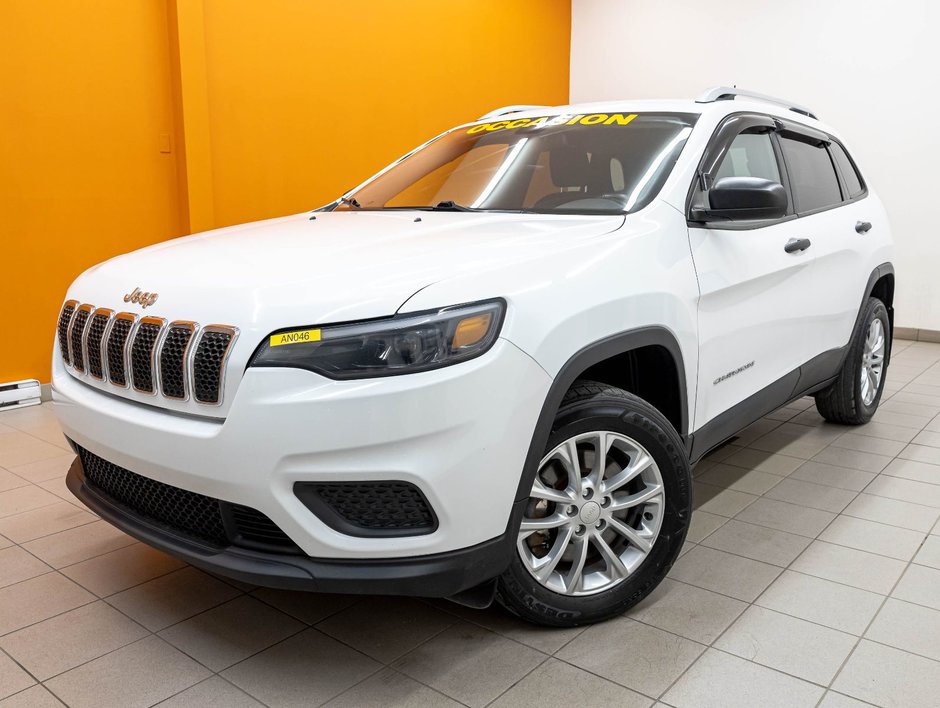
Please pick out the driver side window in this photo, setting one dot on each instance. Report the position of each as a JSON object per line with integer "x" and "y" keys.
{"x": 750, "y": 155}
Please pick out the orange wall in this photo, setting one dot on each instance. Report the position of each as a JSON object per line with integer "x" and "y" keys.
{"x": 307, "y": 99}
{"x": 84, "y": 98}
{"x": 274, "y": 107}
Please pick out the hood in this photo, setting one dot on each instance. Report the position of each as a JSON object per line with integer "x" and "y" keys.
{"x": 340, "y": 266}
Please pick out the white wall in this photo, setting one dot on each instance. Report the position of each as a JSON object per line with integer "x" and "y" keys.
{"x": 869, "y": 69}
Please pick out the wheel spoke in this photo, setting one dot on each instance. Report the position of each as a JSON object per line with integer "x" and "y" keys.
{"x": 549, "y": 522}
{"x": 602, "y": 443}
{"x": 651, "y": 492}
{"x": 615, "y": 567}
{"x": 540, "y": 491}
{"x": 631, "y": 534}
{"x": 567, "y": 454}
{"x": 573, "y": 576}
{"x": 544, "y": 568}
{"x": 640, "y": 462}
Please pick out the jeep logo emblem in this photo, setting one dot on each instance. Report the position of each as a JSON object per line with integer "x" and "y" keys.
{"x": 141, "y": 298}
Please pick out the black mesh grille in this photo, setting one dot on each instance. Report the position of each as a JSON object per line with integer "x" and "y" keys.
{"x": 387, "y": 506}
{"x": 145, "y": 338}
{"x": 256, "y": 529}
{"x": 173, "y": 360}
{"x": 117, "y": 339}
{"x": 95, "y": 333}
{"x": 207, "y": 365}
{"x": 182, "y": 512}
{"x": 194, "y": 514}
{"x": 63, "y": 329}
{"x": 78, "y": 327}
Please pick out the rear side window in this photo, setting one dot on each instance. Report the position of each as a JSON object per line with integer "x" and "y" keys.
{"x": 853, "y": 182}
{"x": 812, "y": 175}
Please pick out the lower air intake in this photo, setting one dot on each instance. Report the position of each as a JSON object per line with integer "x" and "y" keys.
{"x": 386, "y": 508}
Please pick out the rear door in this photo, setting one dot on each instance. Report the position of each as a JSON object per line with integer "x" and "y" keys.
{"x": 754, "y": 295}
{"x": 830, "y": 199}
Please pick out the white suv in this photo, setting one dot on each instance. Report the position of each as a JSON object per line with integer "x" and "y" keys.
{"x": 488, "y": 369}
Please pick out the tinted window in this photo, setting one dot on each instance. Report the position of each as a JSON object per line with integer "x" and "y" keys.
{"x": 852, "y": 181}
{"x": 812, "y": 176}
{"x": 750, "y": 155}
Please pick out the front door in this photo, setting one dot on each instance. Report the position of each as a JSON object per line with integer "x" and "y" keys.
{"x": 754, "y": 293}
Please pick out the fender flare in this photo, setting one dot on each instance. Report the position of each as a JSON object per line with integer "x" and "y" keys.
{"x": 582, "y": 360}
{"x": 877, "y": 274}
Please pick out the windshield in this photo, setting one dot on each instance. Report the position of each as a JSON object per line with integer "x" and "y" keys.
{"x": 593, "y": 163}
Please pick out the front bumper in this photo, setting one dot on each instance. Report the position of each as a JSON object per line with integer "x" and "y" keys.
{"x": 460, "y": 434}
{"x": 438, "y": 575}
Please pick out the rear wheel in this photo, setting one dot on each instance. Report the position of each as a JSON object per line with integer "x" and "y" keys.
{"x": 854, "y": 396}
{"x": 607, "y": 513}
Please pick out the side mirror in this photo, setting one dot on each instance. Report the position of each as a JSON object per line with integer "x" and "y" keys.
{"x": 743, "y": 198}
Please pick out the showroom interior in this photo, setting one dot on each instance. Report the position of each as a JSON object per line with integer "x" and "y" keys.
{"x": 810, "y": 571}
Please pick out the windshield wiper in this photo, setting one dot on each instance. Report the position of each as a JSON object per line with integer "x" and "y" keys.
{"x": 450, "y": 205}
{"x": 350, "y": 201}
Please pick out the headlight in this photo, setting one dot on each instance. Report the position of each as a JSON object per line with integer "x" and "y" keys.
{"x": 398, "y": 345}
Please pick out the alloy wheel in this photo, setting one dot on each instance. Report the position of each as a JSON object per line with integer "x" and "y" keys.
{"x": 593, "y": 514}
{"x": 873, "y": 359}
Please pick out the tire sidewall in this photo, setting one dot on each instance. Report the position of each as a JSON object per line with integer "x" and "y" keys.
{"x": 609, "y": 413}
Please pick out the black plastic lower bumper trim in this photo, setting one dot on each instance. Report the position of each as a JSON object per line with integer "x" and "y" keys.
{"x": 439, "y": 575}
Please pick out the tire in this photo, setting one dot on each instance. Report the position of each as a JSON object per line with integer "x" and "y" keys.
{"x": 845, "y": 400}
{"x": 631, "y": 427}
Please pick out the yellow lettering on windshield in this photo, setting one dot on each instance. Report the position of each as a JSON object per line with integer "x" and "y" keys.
{"x": 548, "y": 121}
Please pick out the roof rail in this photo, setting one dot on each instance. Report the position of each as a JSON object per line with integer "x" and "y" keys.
{"x": 508, "y": 109}
{"x": 729, "y": 93}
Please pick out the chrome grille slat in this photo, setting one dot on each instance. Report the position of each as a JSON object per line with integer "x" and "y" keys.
{"x": 118, "y": 337}
{"x": 172, "y": 359}
{"x": 143, "y": 349}
{"x": 94, "y": 335}
{"x": 208, "y": 365}
{"x": 76, "y": 336}
{"x": 62, "y": 328}
{"x": 176, "y": 360}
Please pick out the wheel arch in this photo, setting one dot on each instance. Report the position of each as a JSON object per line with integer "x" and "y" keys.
{"x": 880, "y": 285}
{"x": 656, "y": 342}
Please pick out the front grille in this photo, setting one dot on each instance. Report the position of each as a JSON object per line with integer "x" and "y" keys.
{"x": 145, "y": 339}
{"x": 369, "y": 508}
{"x": 65, "y": 317}
{"x": 154, "y": 356}
{"x": 207, "y": 365}
{"x": 99, "y": 322}
{"x": 117, "y": 340}
{"x": 75, "y": 337}
{"x": 182, "y": 512}
{"x": 173, "y": 360}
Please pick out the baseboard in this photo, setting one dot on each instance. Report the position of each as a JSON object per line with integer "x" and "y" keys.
{"x": 917, "y": 335}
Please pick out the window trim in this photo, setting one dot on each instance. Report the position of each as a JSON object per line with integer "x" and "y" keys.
{"x": 719, "y": 143}
{"x": 854, "y": 165}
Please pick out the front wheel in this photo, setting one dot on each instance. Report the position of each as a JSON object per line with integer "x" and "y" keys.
{"x": 607, "y": 513}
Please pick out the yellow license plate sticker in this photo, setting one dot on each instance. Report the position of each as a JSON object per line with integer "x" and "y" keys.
{"x": 301, "y": 336}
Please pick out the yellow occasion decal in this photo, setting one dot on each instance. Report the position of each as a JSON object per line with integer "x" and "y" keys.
{"x": 547, "y": 121}
{"x": 301, "y": 336}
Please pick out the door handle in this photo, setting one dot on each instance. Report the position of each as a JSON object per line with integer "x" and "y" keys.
{"x": 794, "y": 245}
{"x": 863, "y": 227}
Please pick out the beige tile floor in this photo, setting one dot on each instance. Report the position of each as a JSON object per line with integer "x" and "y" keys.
{"x": 811, "y": 578}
